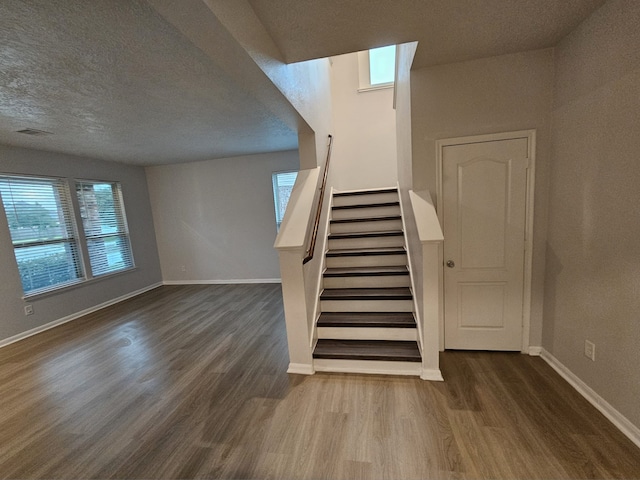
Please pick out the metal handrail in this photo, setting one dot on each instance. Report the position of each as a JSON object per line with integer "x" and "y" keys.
{"x": 316, "y": 223}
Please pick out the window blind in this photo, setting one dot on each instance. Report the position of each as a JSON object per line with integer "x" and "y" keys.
{"x": 282, "y": 186}
{"x": 105, "y": 226}
{"x": 42, "y": 232}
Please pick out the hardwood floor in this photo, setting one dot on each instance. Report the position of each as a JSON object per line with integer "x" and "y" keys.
{"x": 190, "y": 382}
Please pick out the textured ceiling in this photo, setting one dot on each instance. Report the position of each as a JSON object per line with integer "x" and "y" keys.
{"x": 112, "y": 79}
{"x": 447, "y": 30}
{"x": 161, "y": 81}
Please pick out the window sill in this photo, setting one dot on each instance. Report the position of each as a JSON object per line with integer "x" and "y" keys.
{"x": 382, "y": 86}
{"x": 71, "y": 286}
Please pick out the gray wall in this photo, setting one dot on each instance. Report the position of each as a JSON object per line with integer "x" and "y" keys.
{"x": 58, "y": 305}
{"x": 215, "y": 220}
{"x": 592, "y": 284}
{"x": 497, "y": 94}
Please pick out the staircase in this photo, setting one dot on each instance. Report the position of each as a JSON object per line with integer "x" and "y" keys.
{"x": 366, "y": 324}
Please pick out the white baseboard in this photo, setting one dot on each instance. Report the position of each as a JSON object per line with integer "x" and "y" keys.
{"x": 232, "y": 281}
{"x": 73, "y": 316}
{"x": 375, "y": 367}
{"x": 301, "y": 369}
{"x": 535, "y": 351}
{"x": 433, "y": 375}
{"x": 620, "y": 421}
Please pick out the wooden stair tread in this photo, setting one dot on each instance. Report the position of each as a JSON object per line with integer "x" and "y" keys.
{"x": 388, "y": 233}
{"x": 391, "y": 293}
{"x": 366, "y": 271}
{"x": 366, "y": 219}
{"x": 366, "y": 251}
{"x": 365, "y": 192}
{"x": 366, "y": 205}
{"x": 385, "y": 350}
{"x": 367, "y": 319}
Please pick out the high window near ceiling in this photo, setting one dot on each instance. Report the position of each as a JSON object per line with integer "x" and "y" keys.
{"x": 51, "y": 249}
{"x": 376, "y": 68}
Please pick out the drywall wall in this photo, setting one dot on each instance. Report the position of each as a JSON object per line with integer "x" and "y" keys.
{"x": 592, "y": 287}
{"x": 364, "y": 124}
{"x": 215, "y": 220}
{"x": 306, "y": 85}
{"x": 405, "y": 54}
{"x": 497, "y": 94}
{"x": 72, "y": 300}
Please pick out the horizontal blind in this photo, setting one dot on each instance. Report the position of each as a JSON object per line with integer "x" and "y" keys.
{"x": 282, "y": 186}
{"x": 40, "y": 222}
{"x": 105, "y": 226}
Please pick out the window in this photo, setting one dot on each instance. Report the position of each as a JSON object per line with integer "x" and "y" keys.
{"x": 105, "y": 226}
{"x": 42, "y": 231}
{"x": 282, "y": 186}
{"x": 377, "y": 68}
{"x": 48, "y": 245}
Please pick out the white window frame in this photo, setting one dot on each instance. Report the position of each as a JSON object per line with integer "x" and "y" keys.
{"x": 274, "y": 177}
{"x": 75, "y": 228}
{"x": 122, "y": 233}
{"x": 364, "y": 74}
{"x": 65, "y": 206}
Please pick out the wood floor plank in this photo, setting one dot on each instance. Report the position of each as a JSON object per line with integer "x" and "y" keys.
{"x": 191, "y": 382}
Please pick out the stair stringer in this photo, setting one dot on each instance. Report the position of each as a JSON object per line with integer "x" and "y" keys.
{"x": 323, "y": 248}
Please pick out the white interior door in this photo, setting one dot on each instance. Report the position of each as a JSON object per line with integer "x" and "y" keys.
{"x": 484, "y": 188}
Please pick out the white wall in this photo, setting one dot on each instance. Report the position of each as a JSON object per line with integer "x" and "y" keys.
{"x": 72, "y": 300}
{"x": 592, "y": 284}
{"x": 364, "y": 123}
{"x": 216, "y": 218}
{"x": 497, "y": 94}
{"x": 306, "y": 85}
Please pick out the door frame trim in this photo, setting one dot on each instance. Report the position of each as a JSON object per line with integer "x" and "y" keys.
{"x": 530, "y": 135}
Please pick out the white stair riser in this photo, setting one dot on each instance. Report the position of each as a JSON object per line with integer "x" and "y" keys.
{"x": 368, "y": 333}
{"x": 375, "y": 281}
{"x": 365, "y": 212}
{"x": 366, "y": 261}
{"x": 364, "y": 227}
{"x": 365, "y": 199}
{"x": 367, "y": 366}
{"x": 394, "y": 241}
{"x": 366, "y": 305}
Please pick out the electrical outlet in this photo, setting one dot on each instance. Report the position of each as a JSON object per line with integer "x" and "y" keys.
{"x": 28, "y": 309}
{"x": 590, "y": 350}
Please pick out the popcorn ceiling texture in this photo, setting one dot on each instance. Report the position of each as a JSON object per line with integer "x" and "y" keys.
{"x": 113, "y": 80}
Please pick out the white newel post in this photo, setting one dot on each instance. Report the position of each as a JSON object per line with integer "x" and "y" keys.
{"x": 431, "y": 240}
{"x": 431, "y": 294}
{"x": 291, "y": 244}
{"x": 295, "y": 311}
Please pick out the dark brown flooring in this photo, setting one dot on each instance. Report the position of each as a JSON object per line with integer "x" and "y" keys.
{"x": 190, "y": 382}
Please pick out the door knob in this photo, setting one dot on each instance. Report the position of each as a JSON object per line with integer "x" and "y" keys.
{"x": 450, "y": 263}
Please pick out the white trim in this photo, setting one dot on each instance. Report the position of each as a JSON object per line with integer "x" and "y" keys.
{"x": 379, "y": 367}
{"x": 380, "y": 86}
{"x": 74, "y": 316}
{"x": 433, "y": 375}
{"x": 621, "y": 422}
{"x": 323, "y": 266}
{"x": 530, "y": 135}
{"x": 535, "y": 351}
{"x": 231, "y": 281}
{"x": 416, "y": 310}
{"x": 301, "y": 369}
